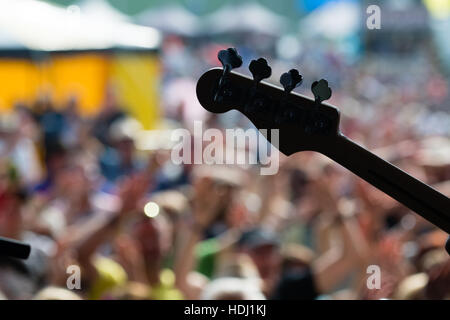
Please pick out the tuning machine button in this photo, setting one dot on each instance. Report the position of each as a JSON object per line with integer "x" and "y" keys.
{"x": 260, "y": 70}
{"x": 290, "y": 80}
{"x": 229, "y": 59}
{"x": 321, "y": 90}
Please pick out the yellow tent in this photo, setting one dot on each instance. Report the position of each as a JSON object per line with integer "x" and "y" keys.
{"x": 67, "y": 56}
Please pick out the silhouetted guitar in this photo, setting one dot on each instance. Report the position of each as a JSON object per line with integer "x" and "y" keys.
{"x": 14, "y": 249}
{"x": 307, "y": 124}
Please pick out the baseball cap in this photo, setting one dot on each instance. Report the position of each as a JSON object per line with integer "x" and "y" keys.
{"x": 257, "y": 237}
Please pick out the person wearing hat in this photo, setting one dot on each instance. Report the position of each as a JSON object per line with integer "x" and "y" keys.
{"x": 309, "y": 282}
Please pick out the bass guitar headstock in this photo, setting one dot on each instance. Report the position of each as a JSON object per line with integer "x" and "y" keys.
{"x": 303, "y": 123}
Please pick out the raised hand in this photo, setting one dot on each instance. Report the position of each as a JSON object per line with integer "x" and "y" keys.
{"x": 207, "y": 198}
{"x": 132, "y": 190}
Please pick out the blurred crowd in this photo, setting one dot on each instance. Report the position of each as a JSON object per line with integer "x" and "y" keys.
{"x": 138, "y": 227}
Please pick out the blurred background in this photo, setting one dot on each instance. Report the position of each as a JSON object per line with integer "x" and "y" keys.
{"x": 86, "y": 177}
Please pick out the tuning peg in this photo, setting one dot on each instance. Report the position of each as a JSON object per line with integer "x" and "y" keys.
{"x": 230, "y": 59}
{"x": 321, "y": 90}
{"x": 260, "y": 69}
{"x": 291, "y": 80}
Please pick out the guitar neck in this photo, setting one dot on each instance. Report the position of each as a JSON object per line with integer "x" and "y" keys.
{"x": 414, "y": 194}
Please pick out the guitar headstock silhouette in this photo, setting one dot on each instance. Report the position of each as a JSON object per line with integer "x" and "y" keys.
{"x": 311, "y": 124}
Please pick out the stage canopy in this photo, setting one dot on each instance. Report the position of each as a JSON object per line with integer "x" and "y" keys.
{"x": 40, "y": 26}
{"x": 245, "y": 17}
{"x": 334, "y": 20}
{"x": 81, "y": 52}
{"x": 173, "y": 19}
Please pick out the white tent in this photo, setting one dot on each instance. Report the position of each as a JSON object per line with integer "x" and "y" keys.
{"x": 333, "y": 20}
{"x": 101, "y": 10}
{"x": 7, "y": 41}
{"x": 247, "y": 17}
{"x": 171, "y": 19}
{"x": 39, "y": 25}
